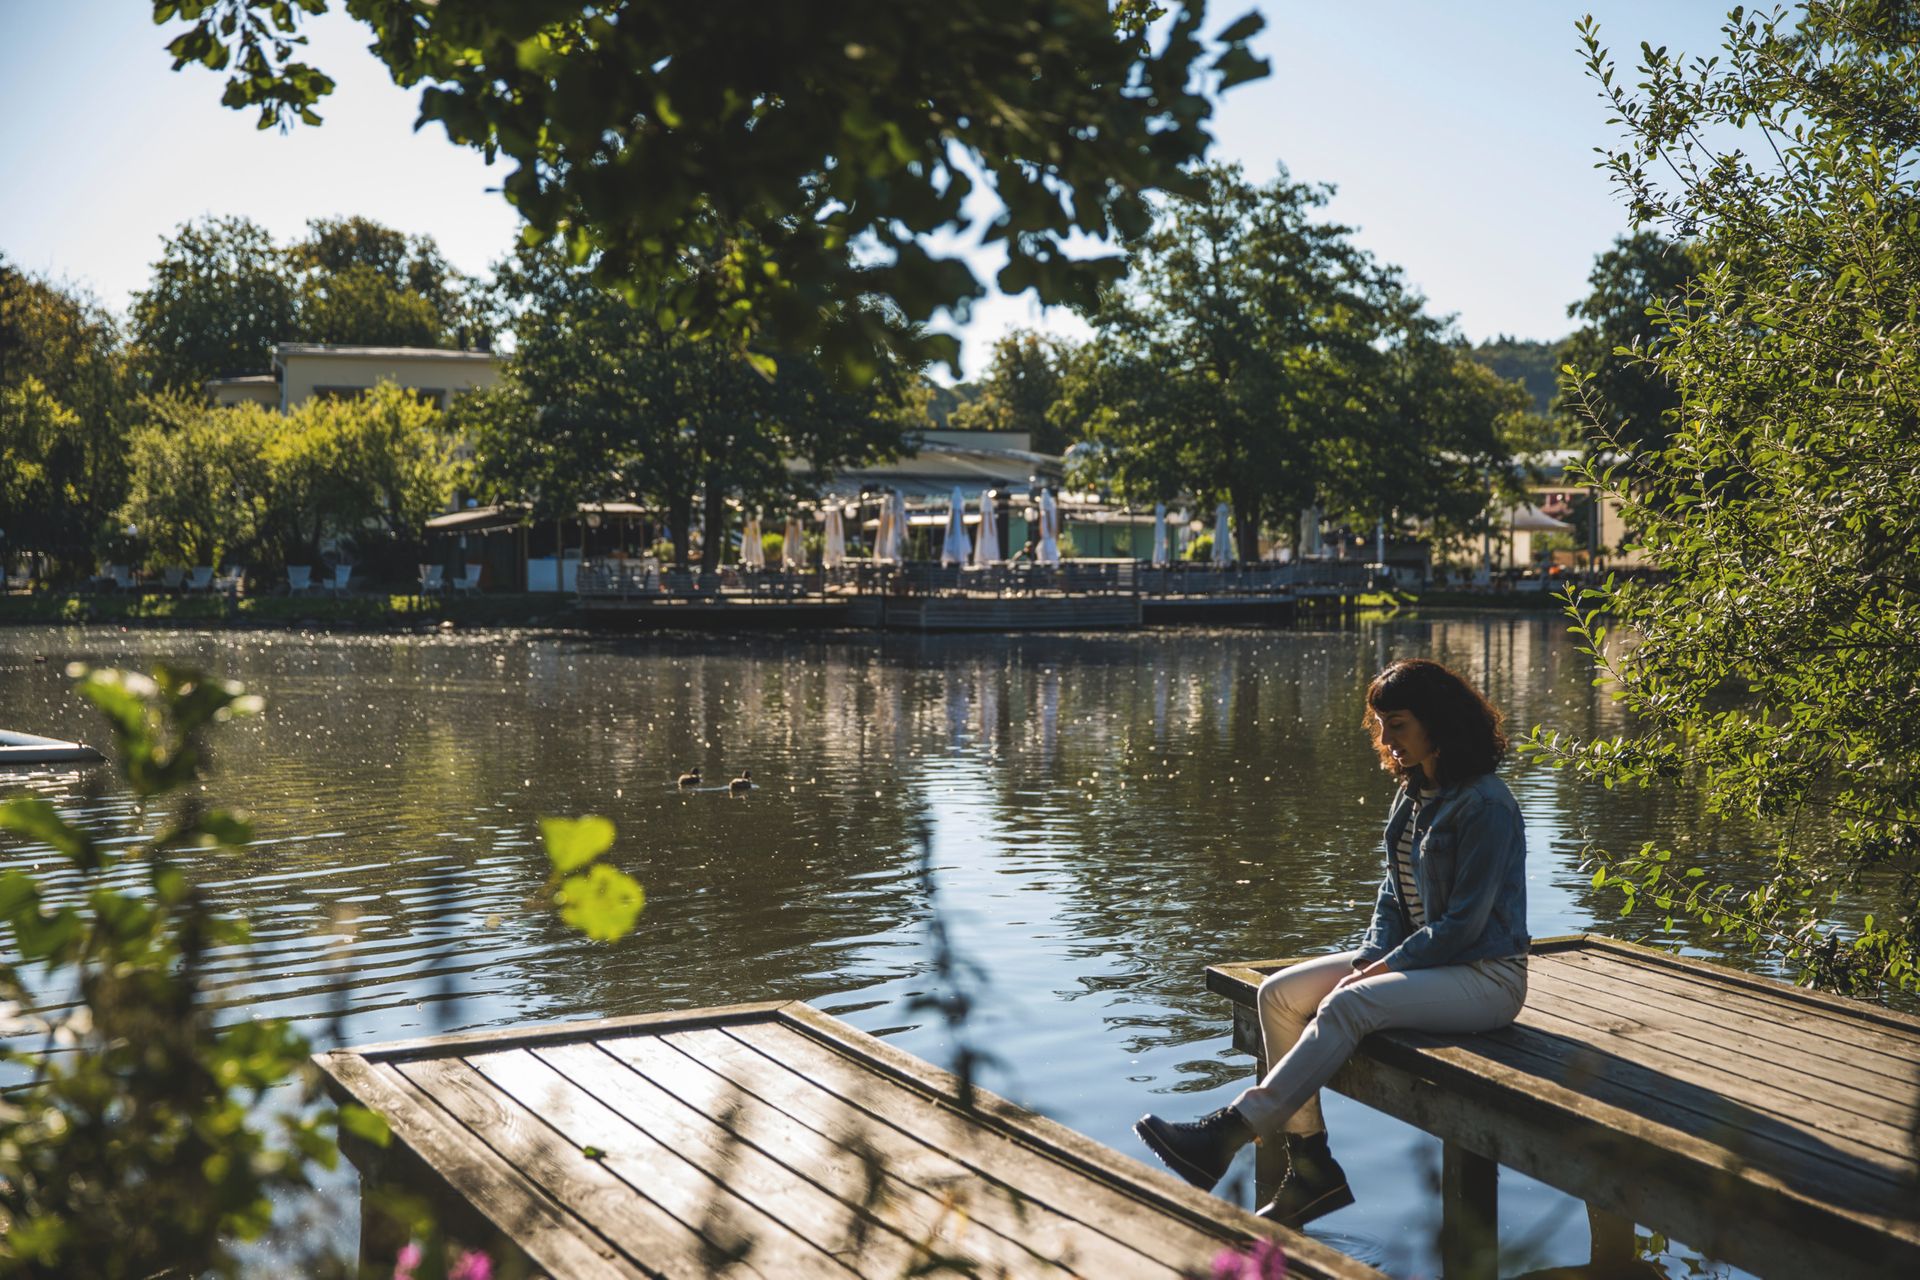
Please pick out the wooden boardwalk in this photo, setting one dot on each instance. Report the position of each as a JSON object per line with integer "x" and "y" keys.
{"x": 1762, "y": 1124}
{"x": 767, "y": 1140}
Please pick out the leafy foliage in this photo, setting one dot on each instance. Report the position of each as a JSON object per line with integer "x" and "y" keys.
{"x": 223, "y": 294}
{"x": 1775, "y": 665}
{"x": 213, "y": 484}
{"x": 754, "y": 172}
{"x": 63, "y": 409}
{"x": 596, "y": 898}
{"x": 130, "y": 1148}
{"x": 1627, "y": 391}
{"x": 626, "y": 410}
{"x": 1019, "y": 391}
{"x": 1255, "y": 354}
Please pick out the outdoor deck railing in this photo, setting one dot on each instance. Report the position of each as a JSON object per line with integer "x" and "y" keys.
{"x": 647, "y": 580}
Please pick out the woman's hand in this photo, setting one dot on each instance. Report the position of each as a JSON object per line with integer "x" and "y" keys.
{"x": 1377, "y": 967}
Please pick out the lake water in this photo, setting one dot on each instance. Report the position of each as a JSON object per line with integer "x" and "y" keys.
{"x": 1108, "y": 816}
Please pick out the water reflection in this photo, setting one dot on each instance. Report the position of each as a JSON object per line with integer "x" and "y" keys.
{"x": 1109, "y": 815}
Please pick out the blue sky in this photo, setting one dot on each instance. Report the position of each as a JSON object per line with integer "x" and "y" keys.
{"x": 1460, "y": 136}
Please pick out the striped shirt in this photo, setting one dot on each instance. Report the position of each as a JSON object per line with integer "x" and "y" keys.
{"x": 1403, "y": 862}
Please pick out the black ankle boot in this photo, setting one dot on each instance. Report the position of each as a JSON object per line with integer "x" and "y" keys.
{"x": 1198, "y": 1150}
{"x": 1315, "y": 1183}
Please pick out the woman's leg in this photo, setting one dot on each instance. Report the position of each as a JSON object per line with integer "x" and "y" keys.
{"x": 1461, "y": 997}
{"x": 1286, "y": 1003}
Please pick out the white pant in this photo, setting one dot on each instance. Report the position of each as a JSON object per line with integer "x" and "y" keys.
{"x": 1310, "y": 1030}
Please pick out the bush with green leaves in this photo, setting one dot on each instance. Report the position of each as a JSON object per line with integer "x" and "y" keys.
{"x": 1774, "y": 664}
{"x": 135, "y": 1139}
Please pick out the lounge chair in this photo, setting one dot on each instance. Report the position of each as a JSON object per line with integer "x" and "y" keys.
{"x": 342, "y": 575}
{"x": 469, "y": 580}
{"x": 122, "y": 577}
{"x": 201, "y": 579}
{"x": 172, "y": 576}
{"x": 299, "y": 579}
{"x": 432, "y": 579}
{"x": 232, "y": 580}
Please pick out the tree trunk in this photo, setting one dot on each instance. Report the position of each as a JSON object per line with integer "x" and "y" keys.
{"x": 1246, "y": 526}
{"x": 680, "y": 523}
{"x": 714, "y": 528}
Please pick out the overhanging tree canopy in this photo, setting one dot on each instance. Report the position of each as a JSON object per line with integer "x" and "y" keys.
{"x": 754, "y": 169}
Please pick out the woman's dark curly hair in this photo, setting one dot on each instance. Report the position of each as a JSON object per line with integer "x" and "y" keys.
{"x": 1463, "y": 726}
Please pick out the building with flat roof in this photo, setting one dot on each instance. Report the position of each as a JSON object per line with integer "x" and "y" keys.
{"x": 303, "y": 370}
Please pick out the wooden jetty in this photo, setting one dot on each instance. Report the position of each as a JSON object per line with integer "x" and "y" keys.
{"x": 1764, "y": 1125}
{"x": 762, "y": 1140}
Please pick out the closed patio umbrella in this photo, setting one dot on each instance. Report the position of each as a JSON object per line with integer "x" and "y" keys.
{"x": 1525, "y": 518}
{"x": 834, "y": 549}
{"x": 897, "y": 528}
{"x": 751, "y": 554}
{"x": 1159, "y": 533}
{"x": 1049, "y": 552}
{"x": 1222, "y": 536}
{"x": 883, "y": 530}
{"x": 955, "y": 547}
{"x": 793, "y": 545}
{"x": 986, "y": 541}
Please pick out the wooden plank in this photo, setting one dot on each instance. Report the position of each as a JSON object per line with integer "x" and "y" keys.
{"x": 1719, "y": 975}
{"x": 1110, "y": 1176}
{"x": 1644, "y": 1173}
{"x": 899, "y": 1226}
{"x": 911, "y": 1157}
{"x": 641, "y": 1227}
{"x": 565, "y": 1032}
{"x": 648, "y": 1166}
{"x": 985, "y": 1151}
{"x": 1861, "y": 1037}
{"x": 1878, "y": 1076}
{"x": 1746, "y": 1079}
{"x": 1692, "y": 1125}
{"x": 553, "y": 1238}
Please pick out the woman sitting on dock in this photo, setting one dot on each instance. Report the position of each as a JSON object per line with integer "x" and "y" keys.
{"x": 1446, "y": 950}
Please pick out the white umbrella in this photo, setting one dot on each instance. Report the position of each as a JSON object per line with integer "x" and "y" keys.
{"x": 986, "y": 541}
{"x": 834, "y": 548}
{"x": 1159, "y": 533}
{"x": 1049, "y": 552}
{"x": 1222, "y": 536}
{"x": 955, "y": 547}
{"x": 1525, "y": 518}
{"x": 751, "y": 554}
{"x": 793, "y": 545}
{"x": 883, "y": 530}
{"x": 896, "y": 549}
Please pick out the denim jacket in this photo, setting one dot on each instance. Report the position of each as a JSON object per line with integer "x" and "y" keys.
{"x": 1470, "y": 862}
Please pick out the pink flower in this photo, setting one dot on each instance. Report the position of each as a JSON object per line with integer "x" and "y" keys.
{"x": 404, "y": 1265}
{"x": 1263, "y": 1260}
{"x": 472, "y": 1265}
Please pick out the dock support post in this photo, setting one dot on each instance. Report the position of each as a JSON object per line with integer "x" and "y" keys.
{"x": 1470, "y": 1216}
{"x": 1614, "y": 1250}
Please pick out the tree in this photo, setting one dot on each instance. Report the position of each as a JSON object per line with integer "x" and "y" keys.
{"x": 368, "y": 284}
{"x": 63, "y": 419}
{"x": 605, "y": 405}
{"x": 756, "y": 172}
{"x": 219, "y": 300}
{"x": 1773, "y": 665}
{"x": 1529, "y": 361}
{"x": 198, "y": 486}
{"x": 1223, "y": 361}
{"x": 1019, "y": 391}
{"x": 1628, "y": 393}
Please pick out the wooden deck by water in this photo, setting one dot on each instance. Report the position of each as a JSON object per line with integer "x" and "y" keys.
{"x": 1765, "y": 1125}
{"x": 769, "y": 1140}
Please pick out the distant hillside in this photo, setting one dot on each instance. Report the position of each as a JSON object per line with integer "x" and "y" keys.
{"x": 1535, "y": 363}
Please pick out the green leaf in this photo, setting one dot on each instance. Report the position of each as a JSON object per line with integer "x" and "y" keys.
{"x": 37, "y": 819}
{"x": 603, "y": 904}
{"x": 370, "y": 1126}
{"x": 574, "y": 842}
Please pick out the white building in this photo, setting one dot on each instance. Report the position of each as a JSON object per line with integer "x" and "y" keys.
{"x": 303, "y": 370}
